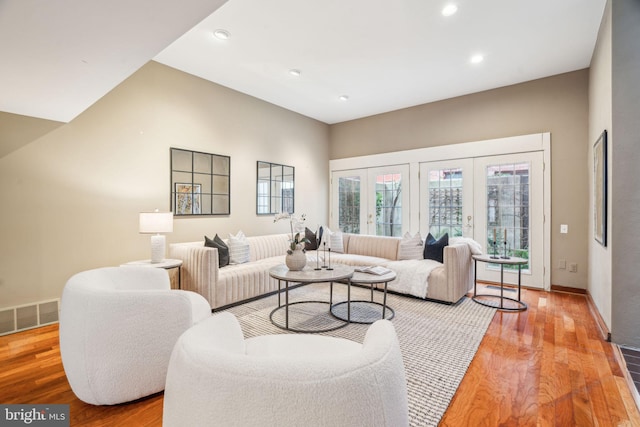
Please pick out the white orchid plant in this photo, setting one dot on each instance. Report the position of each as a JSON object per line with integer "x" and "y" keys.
{"x": 296, "y": 224}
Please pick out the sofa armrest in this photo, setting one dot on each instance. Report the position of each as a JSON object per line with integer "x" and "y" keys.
{"x": 199, "y": 271}
{"x": 458, "y": 266}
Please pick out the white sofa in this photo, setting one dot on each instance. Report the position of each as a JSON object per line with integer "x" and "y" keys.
{"x": 447, "y": 282}
{"x": 217, "y": 377}
{"x": 118, "y": 326}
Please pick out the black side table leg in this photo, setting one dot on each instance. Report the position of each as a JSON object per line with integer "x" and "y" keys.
{"x": 286, "y": 308}
{"x": 475, "y": 277}
{"x": 501, "y": 285}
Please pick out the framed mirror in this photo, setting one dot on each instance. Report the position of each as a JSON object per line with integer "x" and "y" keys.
{"x": 200, "y": 183}
{"x": 275, "y": 188}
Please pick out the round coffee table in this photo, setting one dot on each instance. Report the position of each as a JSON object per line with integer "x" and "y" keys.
{"x": 339, "y": 273}
{"x": 360, "y": 306}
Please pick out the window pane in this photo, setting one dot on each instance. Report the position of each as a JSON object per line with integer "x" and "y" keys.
{"x": 349, "y": 204}
{"x": 445, "y": 202}
{"x": 388, "y": 204}
{"x": 508, "y": 210}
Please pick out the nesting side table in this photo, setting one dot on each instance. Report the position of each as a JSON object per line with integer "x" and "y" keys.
{"x": 519, "y": 305}
{"x": 167, "y": 264}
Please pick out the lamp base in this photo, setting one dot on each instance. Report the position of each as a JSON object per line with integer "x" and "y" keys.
{"x": 157, "y": 248}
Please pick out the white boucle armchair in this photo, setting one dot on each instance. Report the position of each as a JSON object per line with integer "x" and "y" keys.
{"x": 118, "y": 326}
{"x": 216, "y": 377}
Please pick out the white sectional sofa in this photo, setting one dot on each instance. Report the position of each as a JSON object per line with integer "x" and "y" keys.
{"x": 446, "y": 282}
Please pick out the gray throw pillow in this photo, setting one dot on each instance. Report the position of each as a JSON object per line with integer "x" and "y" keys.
{"x": 223, "y": 249}
{"x": 314, "y": 239}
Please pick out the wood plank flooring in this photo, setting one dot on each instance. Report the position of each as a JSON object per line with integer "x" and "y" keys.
{"x": 546, "y": 366}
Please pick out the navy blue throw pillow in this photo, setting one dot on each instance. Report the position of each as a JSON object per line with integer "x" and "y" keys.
{"x": 434, "y": 249}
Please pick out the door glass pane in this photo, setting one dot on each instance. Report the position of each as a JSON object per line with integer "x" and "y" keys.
{"x": 445, "y": 202}
{"x": 508, "y": 210}
{"x": 349, "y": 204}
{"x": 389, "y": 205}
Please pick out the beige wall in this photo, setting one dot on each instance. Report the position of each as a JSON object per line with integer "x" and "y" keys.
{"x": 71, "y": 198}
{"x": 599, "y": 120}
{"x": 557, "y": 104}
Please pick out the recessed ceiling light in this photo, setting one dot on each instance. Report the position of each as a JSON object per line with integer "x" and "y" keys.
{"x": 221, "y": 34}
{"x": 295, "y": 72}
{"x": 476, "y": 59}
{"x": 449, "y": 9}
{"x": 344, "y": 97}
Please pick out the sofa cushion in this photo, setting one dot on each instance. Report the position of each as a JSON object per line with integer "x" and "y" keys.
{"x": 356, "y": 260}
{"x": 239, "y": 250}
{"x": 433, "y": 249}
{"x": 223, "y": 249}
{"x": 376, "y": 246}
{"x": 411, "y": 247}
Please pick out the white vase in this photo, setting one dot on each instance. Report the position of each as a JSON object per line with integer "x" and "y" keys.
{"x": 297, "y": 260}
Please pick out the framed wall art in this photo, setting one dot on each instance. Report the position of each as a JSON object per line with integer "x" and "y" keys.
{"x": 600, "y": 189}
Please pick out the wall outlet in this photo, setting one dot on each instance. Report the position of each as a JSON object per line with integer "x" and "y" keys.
{"x": 562, "y": 264}
{"x": 573, "y": 267}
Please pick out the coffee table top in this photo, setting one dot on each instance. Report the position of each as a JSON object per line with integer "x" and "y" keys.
{"x": 368, "y": 278}
{"x": 309, "y": 275}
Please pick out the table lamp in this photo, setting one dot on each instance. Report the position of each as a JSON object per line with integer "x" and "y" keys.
{"x": 155, "y": 223}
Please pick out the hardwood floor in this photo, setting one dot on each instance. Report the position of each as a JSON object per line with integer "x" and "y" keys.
{"x": 547, "y": 366}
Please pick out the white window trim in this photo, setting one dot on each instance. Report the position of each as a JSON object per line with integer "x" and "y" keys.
{"x": 509, "y": 145}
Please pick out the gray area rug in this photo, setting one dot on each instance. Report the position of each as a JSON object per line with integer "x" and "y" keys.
{"x": 437, "y": 341}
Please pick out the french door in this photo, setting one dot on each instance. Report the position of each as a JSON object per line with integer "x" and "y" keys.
{"x": 509, "y": 206}
{"x": 446, "y": 198}
{"x": 371, "y": 201}
{"x": 494, "y": 198}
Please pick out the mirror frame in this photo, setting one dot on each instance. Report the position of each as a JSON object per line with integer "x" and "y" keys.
{"x": 275, "y": 188}
{"x": 200, "y": 183}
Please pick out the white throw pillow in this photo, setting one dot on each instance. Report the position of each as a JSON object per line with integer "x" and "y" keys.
{"x": 411, "y": 247}
{"x": 334, "y": 240}
{"x": 238, "y": 248}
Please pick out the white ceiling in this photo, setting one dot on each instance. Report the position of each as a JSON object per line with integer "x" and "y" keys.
{"x": 59, "y": 57}
{"x": 384, "y": 54}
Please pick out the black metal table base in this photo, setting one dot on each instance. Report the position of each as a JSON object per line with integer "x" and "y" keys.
{"x": 306, "y": 331}
{"x": 386, "y": 312}
{"x": 520, "y": 306}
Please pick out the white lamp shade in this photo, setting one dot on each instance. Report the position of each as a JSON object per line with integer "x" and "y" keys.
{"x": 156, "y": 222}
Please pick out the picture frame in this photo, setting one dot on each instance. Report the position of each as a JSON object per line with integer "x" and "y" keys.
{"x": 188, "y": 198}
{"x": 600, "y": 189}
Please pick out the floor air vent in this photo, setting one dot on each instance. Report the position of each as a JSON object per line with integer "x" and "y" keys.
{"x": 15, "y": 319}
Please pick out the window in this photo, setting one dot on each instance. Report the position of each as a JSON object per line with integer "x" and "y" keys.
{"x": 508, "y": 209}
{"x": 200, "y": 183}
{"x": 349, "y": 204}
{"x": 445, "y": 202}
